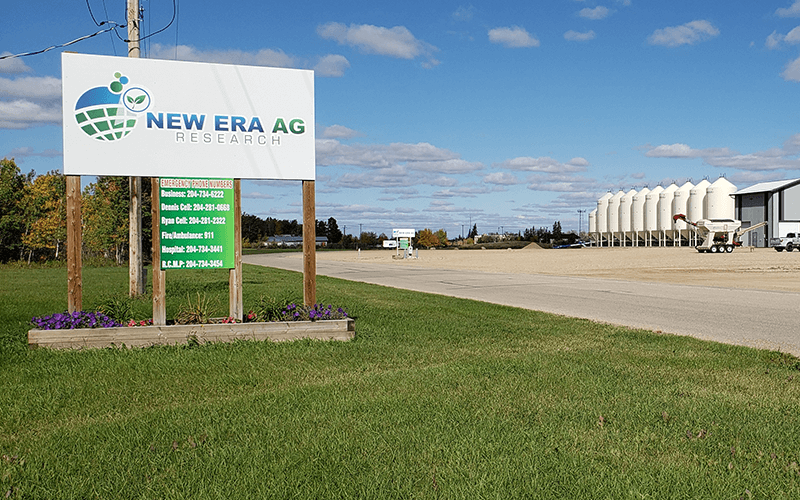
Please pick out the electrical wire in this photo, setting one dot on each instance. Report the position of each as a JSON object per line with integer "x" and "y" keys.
{"x": 113, "y": 27}
{"x": 11, "y": 56}
{"x": 110, "y": 35}
{"x": 177, "y": 25}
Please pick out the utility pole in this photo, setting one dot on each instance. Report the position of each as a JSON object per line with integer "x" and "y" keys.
{"x": 135, "y": 264}
{"x": 580, "y": 220}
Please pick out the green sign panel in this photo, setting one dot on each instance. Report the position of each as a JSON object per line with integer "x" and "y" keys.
{"x": 197, "y": 223}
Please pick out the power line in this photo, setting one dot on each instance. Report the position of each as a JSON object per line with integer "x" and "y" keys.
{"x": 112, "y": 27}
{"x": 110, "y": 35}
{"x": 11, "y": 56}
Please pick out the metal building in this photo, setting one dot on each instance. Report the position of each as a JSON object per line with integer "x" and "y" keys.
{"x": 777, "y": 202}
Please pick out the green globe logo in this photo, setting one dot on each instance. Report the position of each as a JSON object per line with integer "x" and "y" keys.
{"x": 108, "y": 113}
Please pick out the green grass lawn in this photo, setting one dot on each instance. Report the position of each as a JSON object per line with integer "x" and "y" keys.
{"x": 435, "y": 398}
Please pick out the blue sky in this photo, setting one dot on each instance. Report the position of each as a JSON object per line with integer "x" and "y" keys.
{"x": 433, "y": 114}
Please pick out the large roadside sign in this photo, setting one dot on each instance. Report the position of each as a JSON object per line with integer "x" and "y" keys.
{"x": 144, "y": 117}
{"x": 403, "y": 233}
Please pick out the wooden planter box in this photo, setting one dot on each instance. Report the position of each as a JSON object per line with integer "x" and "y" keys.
{"x": 142, "y": 336}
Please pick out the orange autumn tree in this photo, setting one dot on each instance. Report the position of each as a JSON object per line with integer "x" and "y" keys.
{"x": 45, "y": 214}
{"x": 427, "y": 238}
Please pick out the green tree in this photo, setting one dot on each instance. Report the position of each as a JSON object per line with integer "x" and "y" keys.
{"x": 105, "y": 217}
{"x": 557, "y": 234}
{"x": 334, "y": 233}
{"x": 473, "y": 233}
{"x": 12, "y": 217}
{"x": 441, "y": 234}
{"x": 368, "y": 239}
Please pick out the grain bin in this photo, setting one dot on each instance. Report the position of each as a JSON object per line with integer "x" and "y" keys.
{"x": 696, "y": 209}
{"x": 613, "y": 216}
{"x": 593, "y": 225}
{"x": 665, "y": 222}
{"x": 637, "y": 215}
{"x": 680, "y": 205}
{"x": 602, "y": 217}
{"x": 651, "y": 214}
{"x": 625, "y": 209}
{"x": 720, "y": 203}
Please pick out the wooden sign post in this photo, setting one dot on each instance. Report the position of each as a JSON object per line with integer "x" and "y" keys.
{"x": 309, "y": 245}
{"x": 74, "y": 264}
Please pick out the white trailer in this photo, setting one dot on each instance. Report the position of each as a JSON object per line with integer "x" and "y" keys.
{"x": 718, "y": 235}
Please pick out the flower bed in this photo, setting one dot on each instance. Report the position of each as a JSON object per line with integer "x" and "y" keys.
{"x": 142, "y": 336}
{"x": 83, "y": 329}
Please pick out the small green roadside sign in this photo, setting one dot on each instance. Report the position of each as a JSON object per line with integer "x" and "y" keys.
{"x": 196, "y": 223}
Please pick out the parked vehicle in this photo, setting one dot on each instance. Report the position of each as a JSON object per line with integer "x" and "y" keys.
{"x": 789, "y": 242}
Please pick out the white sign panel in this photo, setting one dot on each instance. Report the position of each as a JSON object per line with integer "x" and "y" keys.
{"x": 389, "y": 243}
{"x": 155, "y": 118}
{"x": 403, "y": 233}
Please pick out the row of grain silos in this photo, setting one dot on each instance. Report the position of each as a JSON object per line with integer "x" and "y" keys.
{"x": 645, "y": 217}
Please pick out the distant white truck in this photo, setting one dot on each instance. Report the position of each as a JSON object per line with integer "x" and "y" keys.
{"x": 788, "y": 242}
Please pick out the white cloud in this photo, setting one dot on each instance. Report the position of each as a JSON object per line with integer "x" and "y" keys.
{"x": 338, "y": 132}
{"x": 501, "y": 178}
{"x": 598, "y": 12}
{"x": 513, "y": 37}
{"x": 331, "y": 65}
{"x": 679, "y": 150}
{"x": 31, "y": 87}
{"x": 257, "y": 195}
{"x": 782, "y": 158}
{"x": 396, "y": 42}
{"x": 461, "y": 192}
{"x": 576, "y": 36}
{"x": 22, "y": 114}
{"x": 685, "y": 34}
{"x": 775, "y": 39}
{"x": 13, "y": 65}
{"x": 421, "y": 157}
{"x": 561, "y": 183}
{"x": 543, "y": 164}
{"x": 263, "y": 57}
{"x": 27, "y": 151}
{"x": 464, "y": 13}
{"x": 792, "y": 11}
{"x": 451, "y": 166}
{"x": 791, "y": 72}
{"x": 793, "y": 36}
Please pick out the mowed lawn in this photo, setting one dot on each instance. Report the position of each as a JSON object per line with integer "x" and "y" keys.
{"x": 435, "y": 398}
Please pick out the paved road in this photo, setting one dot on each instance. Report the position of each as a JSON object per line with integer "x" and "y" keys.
{"x": 755, "y": 318}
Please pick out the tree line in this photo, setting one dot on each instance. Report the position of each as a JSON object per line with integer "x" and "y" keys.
{"x": 33, "y": 218}
{"x": 33, "y": 221}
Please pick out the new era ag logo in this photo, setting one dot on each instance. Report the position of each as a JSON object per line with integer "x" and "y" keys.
{"x": 108, "y": 113}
